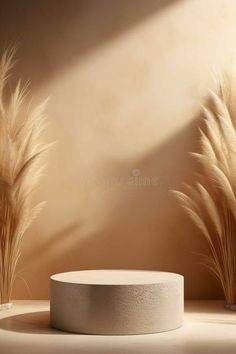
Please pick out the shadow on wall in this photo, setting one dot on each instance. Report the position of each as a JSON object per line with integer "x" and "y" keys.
{"x": 47, "y": 42}
{"x": 142, "y": 218}
{"x": 142, "y": 221}
{"x": 68, "y": 231}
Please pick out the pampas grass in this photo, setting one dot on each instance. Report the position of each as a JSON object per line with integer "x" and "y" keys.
{"x": 21, "y": 165}
{"x": 211, "y": 201}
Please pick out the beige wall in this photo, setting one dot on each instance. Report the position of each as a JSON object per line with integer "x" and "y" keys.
{"x": 125, "y": 78}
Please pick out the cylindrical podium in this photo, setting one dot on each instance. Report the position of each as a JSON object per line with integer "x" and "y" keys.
{"x": 117, "y": 301}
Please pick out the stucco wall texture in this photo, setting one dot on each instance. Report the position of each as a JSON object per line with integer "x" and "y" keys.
{"x": 125, "y": 80}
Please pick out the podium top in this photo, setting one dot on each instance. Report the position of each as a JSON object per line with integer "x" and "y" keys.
{"x": 116, "y": 277}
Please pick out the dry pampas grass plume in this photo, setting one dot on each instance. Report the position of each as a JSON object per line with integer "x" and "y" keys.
{"x": 21, "y": 165}
{"x": 211, "y": 201}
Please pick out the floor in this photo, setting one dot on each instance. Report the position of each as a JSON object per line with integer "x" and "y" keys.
{"x": 208, "y": 329}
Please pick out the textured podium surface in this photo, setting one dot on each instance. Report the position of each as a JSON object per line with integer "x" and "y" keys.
{"x": 208, "y": 329}
{"x": 116, "y": 301}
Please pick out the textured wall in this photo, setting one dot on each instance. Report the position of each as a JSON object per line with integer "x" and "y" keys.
{"x": 125, "y": 78}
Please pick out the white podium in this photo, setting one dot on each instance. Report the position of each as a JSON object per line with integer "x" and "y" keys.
{"x": 116, "y": 301}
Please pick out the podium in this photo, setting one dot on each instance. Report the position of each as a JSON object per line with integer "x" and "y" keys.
{"x": 116, "y": 302}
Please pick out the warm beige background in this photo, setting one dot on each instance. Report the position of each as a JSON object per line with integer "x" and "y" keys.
{"x": 125, "y": 78}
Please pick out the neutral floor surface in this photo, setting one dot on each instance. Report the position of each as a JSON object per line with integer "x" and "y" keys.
{"x": 208, "y": 329}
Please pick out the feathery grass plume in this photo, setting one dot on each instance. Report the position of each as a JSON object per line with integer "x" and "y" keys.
{"x": 21, "y": 165}
{"x": 211, "y": 201}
